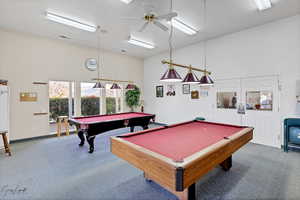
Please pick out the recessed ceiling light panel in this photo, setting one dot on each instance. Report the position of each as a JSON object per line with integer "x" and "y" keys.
{"x": 70, "y": 22}
{"x": 263, "y": 4}
{"x": 126, "y": 1}
{"x": 140, "y": 43}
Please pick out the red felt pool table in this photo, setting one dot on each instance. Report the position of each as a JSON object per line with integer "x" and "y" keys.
{"x": 97, "y": 124}
{"x": 176, "y": 156}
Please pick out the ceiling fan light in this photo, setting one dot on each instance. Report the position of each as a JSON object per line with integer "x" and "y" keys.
{"x": 191, "y": 78}
{"x": 98, "y": 85}
{"x": 263, "y": 4}
{"x": 171, "y": 75}
{"x": 206, "y": 81}
{"x": 70, "y": 22}
{"x": 182, "y": 26}
{"x": 115, "y": 86}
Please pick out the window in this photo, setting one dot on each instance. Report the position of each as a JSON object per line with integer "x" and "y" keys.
{"x": 259, "y": 100}
{"x": 61, "y": 99}
{"x": 226, "y": 100}
{"x": 113, "y": 99}
{"x": 90, "y": 99}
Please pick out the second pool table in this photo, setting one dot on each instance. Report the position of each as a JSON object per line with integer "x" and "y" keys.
{"x": 176, "y": 156}
{"x": 97, "y": 124}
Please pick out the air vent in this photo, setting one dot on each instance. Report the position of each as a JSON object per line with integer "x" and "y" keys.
{"x": 64, "y": 37}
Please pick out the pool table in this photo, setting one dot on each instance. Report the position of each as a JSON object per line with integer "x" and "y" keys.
{"x": 177, "y": 156}
{"x": 97, "y": 124}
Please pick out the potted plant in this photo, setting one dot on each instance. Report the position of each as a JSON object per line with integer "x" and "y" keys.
{"x": 133, "y": 98}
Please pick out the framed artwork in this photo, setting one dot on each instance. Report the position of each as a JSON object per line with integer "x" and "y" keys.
{"x": 171, "y": 90}
{"x": 259, "y": 100}
{"x": 203, "y": 93}
{"x": 227, "y": 100}
{"x": 160, "y": 91}
{"x": 186, "y": 89}
{"x": 195, "y": 94}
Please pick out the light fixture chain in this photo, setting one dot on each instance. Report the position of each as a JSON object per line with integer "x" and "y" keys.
{"x": 204, "y": 19}
{"x": 98, "y": 52}
{"x": 171, "y": 33}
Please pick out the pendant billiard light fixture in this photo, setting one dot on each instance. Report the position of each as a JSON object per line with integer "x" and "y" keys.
{"x": 115, "y": 86}
{"x": 205, "y": 80}
{"x": 98, "y": 85}
{"x": 171, "y": 74}
{"x": 190, "y": 78}
{"x": 130, "y": 86}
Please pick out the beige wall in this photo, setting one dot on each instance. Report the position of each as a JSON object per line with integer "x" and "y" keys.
{"x": 26, "y": 58}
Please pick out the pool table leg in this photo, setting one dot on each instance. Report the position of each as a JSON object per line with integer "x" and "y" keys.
{"x": 81, "y": 137}
{"x": 147, "y": 178}
{"x": 226, "y": 164}
{"x": 192, "y": 195}
{"x": 90, "y": 140}
{"x": 131, "y": 129}
{"x": 188, "y": 194}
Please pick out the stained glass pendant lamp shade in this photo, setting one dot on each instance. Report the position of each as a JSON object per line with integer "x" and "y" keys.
{"x": 190, "y": 78}
{"x": 115, "y": 86}
{"x": 171, "y": 75}
{"x": 130, "y": 87}
{"x": 206, "y": 80}
{"x": 98, "y": 85}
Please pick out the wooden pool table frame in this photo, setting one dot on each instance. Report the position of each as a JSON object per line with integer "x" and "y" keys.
{"x": 180, "y": 177}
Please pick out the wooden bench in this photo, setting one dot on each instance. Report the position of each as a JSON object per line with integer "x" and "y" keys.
{"x": 5, "y": 141}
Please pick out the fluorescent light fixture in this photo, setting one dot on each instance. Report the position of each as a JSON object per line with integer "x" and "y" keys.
{"x": 70, "y": 22}
{"x": 263, "y": 4}
{"x": 183, "y": 27}
{"x": 127, "y": 1}
{"x": 140, "y": 43}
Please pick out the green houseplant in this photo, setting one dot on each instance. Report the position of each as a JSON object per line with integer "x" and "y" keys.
{"x": 133, "y": 97}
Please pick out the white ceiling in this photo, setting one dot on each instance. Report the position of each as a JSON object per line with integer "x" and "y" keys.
{"x": 223, "y": 17}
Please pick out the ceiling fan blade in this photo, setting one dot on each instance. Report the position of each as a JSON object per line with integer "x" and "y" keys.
{"x": 160, "y": 25}
{"x": 167, "y": 17}
{"x": 144, "y": 26}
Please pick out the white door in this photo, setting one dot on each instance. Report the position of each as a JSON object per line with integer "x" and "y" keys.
{"x": 4, "y": 95}
{"x": 264, "y": 119}
{"x": 264, "y": 116}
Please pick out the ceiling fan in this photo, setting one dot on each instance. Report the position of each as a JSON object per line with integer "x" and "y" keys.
{"x": 156, "y": 20}
{"x": 151, "y": 17}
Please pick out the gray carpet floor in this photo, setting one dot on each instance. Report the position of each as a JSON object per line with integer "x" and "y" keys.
{"x": 56, "y": 168}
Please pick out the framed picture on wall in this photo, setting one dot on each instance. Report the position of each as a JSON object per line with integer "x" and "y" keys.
{"x": 195, "y": 94}
{"x": 186, "y": 89}
{"x": 160, "y": 91}
{"x": 170, "y": 90}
